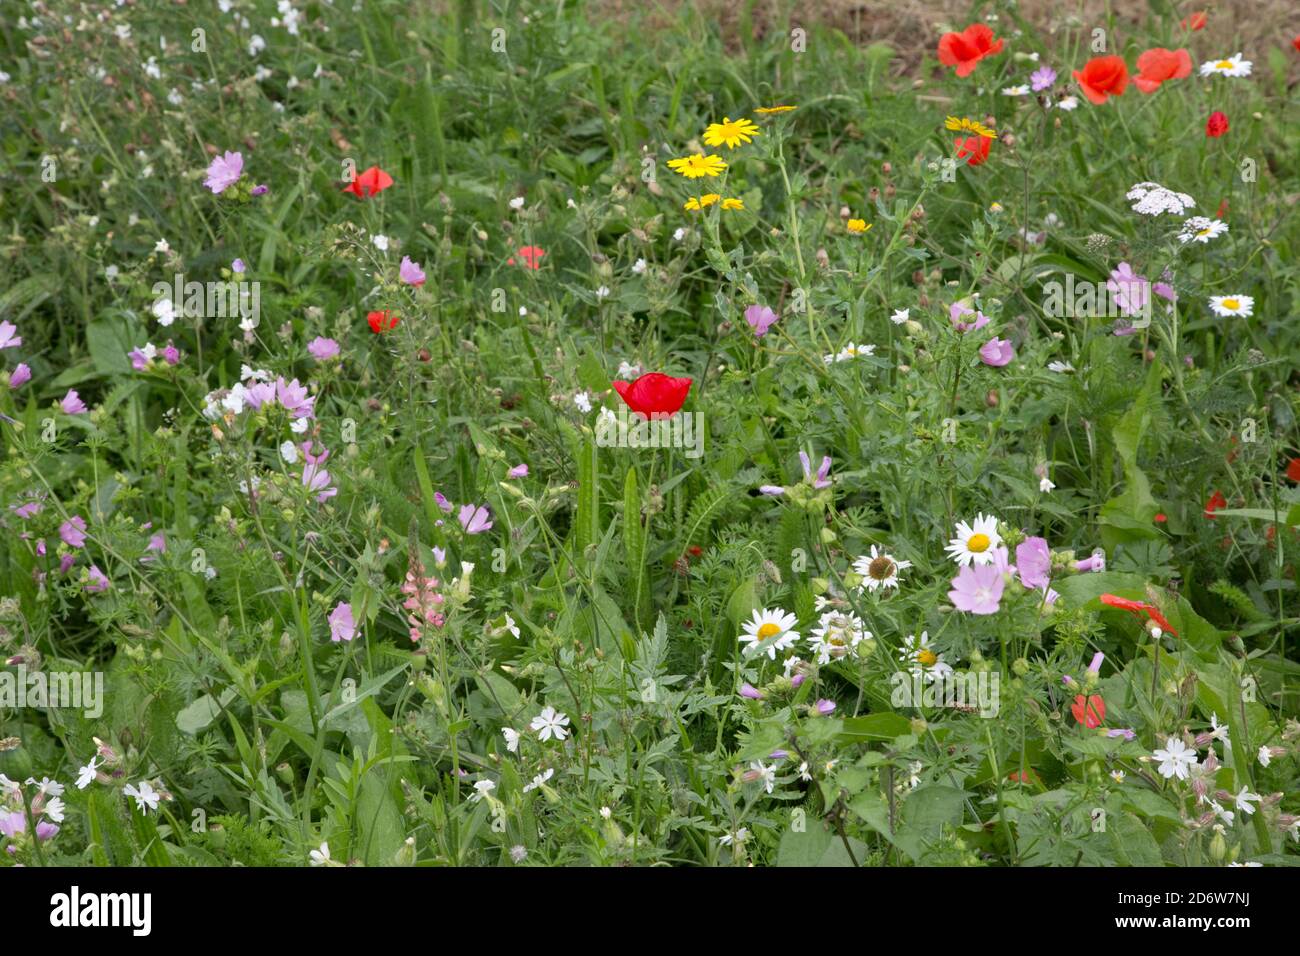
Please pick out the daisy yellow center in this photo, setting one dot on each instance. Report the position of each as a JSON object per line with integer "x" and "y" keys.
{"x": 1231, "y": 304}
{"x": 926, "y": 656}
{"x": 767, "y": 630}
{"x": 979, "y": 543}
{"x": 1224, "y": 64}
{"x": 1204, "y": 232}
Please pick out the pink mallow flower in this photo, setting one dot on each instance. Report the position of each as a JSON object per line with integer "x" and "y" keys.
{"x": 343, "y": 627}
{"x": 20, "y": 376}
{"x": 997, "y": 352}
{"x": 315, "y": 477}
{"x": 518, "y": 471}
{"x": 97, "y": 582}
{"x": 7, "y": 338}
{"x": 72, "y": 403}
{"x": 474, "y": 520}
{"x": 1130, "y": 292}
{"x": 977, "y": 589}
{"x": 1034, "y": 562}
{"x": 957, "y": 316}
{"x": 760, "y": 319}
{"x": 322, "y": 349}
{"x": 410, "y": 272}
{"x": 224, "y": 172}
{"x": 823, "y": 472}
{"x": 73, "y": 531}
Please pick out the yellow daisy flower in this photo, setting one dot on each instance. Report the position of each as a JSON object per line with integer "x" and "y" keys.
{"x": 965, "y": 124}
{"x": 775, "y": 109}
{"x": 704, "y": 202}
{"x": 730, "y": 133}
{"x": 857, "y": 226}
{"x": 693, "y": 167}
{"x": 732, "y": 204}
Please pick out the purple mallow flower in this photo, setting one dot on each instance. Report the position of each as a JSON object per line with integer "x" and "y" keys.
{"x": 760, "y": 319}
{"x": 1042, "y": 78}
{"x": 977, "y": 589}
{"x": 410, "y": 272}
{"x": 224, "y": 172}
{"x": 322, "y": 349}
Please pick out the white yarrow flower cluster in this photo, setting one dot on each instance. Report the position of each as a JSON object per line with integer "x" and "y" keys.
{"x": 1152, "y": 199}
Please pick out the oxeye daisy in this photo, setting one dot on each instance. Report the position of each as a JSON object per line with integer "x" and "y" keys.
{"x": 879, "y": 569}
{"x": 730, "y": 133}
{"x": 693, "y": 167}
{"x": 1232, "y": 66}
{"x": 837, "y": 633}
{"x": 1202, "y": 229}
{"x": 849, "y": 352}
{"x": 976, "y": 542}
{"x": 1019, "y": 90}
{"x": 769, "y": 631}
{"x": 1227, "y": 305}
{"x": 920, "y": 658}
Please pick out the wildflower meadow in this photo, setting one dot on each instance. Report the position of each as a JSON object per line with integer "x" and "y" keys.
{"x": 538, "y": 434}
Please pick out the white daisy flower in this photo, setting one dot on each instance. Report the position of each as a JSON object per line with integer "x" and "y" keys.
{"x": 852, "y": 351}
{"x": 879, "y": 569}
{"x": 1232, "y": 66}
{"x": 1068, "y": 103}
{"x": 1226, "y": 305}
{"x": 976, "y": 542}
{"x": 1176, "y": 759}
{"x": 1061, "y": 367}
{"x": 837, "y": 633}
{"x": 769, "y": 631}
{"x": 1202, "y": 229}
{"x": 920, "y": 658}
{"x": 1020, "y": 90}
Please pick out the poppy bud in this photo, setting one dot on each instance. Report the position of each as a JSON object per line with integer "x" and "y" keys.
{"x": 991, "y": 399}
{"x": 424, "y": 355}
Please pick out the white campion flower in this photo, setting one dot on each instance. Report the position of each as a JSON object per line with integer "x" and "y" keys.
{"x": 146, "y": 798}
{"x": 164, "y": 311}
{"x": 550, "y": 723}
{"x": 1176, "y": 759}
{"x": 86, "y": 775}
{"x": 289, "y": 452}
{"x": 482, "y": 788}
{"x": 583, "y": 401}
{"x": 512, "y": 739}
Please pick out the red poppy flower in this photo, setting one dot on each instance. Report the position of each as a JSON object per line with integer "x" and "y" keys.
{"x": 1139, "y": 607}
{"x": 1296, "y": 43}
{"x": 1293, "y": 469}
{"x": 382, "y": 320}
{"x": 1216, "y": 125}
{"x": 1160, "y": 517}
{"x": 1090, "y": 711}
{"x": 964, "y": 50}
{"x": 1196, "y": 21}
{"x": 532, "y": 256}
{"x": 373, "y": 180}
{"x": 1157, "y": 65}
{"x": 973, "y": 149}
{"x": 1223, "y": 210}
{"x": 654, "y": 394}
{"x": 1028, "y": 775}
{"x": 1216, "y": 502}
{"x": 1102, "y": 76}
